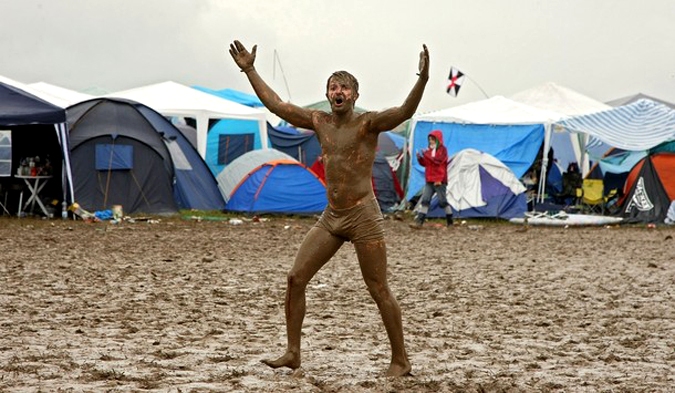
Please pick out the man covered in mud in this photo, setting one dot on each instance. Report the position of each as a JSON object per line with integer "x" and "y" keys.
{"x": 348, "y": 142}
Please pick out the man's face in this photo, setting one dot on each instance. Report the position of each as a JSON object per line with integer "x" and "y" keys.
{"x": 341, "y": 94}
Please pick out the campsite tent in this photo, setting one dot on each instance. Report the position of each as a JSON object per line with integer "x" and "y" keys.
{"x": 302, "y": 146}
{"x": 649, "y": 189}
{"x": 31, "y": 126}
{"x": 125, "y": 153}
{"x": 270, "y": 181}
{"x": 480, "y": 186}
{"x": 552, "y": 97}
{"x": 387, "y": 188}
{"x": 173, "y": 99}
{"x": 510, "y": 131}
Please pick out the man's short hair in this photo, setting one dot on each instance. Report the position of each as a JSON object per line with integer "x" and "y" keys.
{"x": 345, "y": 76}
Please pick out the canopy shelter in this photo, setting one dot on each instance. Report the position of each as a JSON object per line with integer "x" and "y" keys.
{"x": 567, "y": 102}
{"x": 27, "y": 118}
{"x": 633, "y": 128}
{"x": 641, "y": 125}
{"x": 507, "y": 130}
{"x": 173, "y": 99}
{"x": 64, "y": 96}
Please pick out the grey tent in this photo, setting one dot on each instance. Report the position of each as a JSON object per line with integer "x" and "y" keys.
{"x": 125, "y": 153}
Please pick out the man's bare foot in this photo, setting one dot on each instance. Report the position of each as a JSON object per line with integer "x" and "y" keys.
{"x": 290, "y": 360}
{"x": 399, "y": 370}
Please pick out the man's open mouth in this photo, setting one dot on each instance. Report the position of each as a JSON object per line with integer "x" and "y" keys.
{"x": 339, "y": 100}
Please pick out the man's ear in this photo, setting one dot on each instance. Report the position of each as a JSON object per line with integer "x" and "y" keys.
{"x": 356, "y": 96}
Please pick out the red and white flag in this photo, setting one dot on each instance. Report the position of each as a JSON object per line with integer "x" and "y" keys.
{"x": 455, "y": 80}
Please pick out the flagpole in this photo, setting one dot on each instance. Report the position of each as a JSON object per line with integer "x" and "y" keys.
{"x": 477, "y": 85}
{"x": 277, "y": 59}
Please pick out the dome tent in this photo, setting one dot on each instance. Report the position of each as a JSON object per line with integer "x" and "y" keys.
{"x": 481, "y": 186}
{"x": 269, "y": 181}
{"x": 125, "y": 153}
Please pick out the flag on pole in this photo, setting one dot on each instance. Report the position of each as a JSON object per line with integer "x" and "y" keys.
{"x": 455, "y": 80}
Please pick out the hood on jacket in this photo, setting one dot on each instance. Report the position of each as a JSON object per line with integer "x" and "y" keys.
{"x": 438, "y": 135}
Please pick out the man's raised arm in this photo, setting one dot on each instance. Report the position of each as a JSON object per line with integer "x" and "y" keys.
{"x": 295, "y": 115}
{"x": 391, "y": 118}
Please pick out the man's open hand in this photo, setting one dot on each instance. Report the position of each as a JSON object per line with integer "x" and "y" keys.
{"x": 424, "y": 62}
{"x": 243, "y": 57}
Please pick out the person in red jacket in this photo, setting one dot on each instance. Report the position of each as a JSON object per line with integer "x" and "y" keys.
{"x": 434, "y": 159}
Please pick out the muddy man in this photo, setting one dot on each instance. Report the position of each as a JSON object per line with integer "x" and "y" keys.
{"x": 348, "y": 142}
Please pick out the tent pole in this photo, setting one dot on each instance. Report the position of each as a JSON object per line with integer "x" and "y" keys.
{"x": 544, "y": 163}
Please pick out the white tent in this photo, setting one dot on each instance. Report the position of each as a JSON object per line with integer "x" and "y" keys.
{"x": 173, "y": 99}
{"x": 552, "y": 97}
{"x": 65, "y": 97}
{"x": 497, "y": 110}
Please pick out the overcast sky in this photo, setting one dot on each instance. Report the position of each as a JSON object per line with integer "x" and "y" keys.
{"x": 605, "y": 49}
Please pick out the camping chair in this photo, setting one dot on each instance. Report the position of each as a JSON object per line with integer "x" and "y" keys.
{"x": 591, "y": 196}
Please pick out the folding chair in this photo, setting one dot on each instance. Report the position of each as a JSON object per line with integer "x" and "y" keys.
{"x": 591, "y": 196}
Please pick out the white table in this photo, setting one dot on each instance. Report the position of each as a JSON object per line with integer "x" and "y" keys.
{"x": 35, "y": 185}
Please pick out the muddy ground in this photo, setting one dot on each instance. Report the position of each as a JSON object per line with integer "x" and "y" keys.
{"x": 181, "y": 305}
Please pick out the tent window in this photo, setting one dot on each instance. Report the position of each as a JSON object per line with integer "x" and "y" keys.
{"x": 114, "y": 157}
{"x": 180, "y": 162}
{"x": 232, "y": 146}
{"x": 5, "y": 153}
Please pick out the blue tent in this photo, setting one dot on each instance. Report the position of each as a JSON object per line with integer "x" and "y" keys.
{"x": 125, "y": 153}
{"x": 228, "y": 139}
{"x": 303, "y": 146}
{"x": 270, "y": 181}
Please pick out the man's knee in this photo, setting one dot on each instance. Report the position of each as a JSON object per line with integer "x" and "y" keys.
{"x": 379, "y": 291}
{"x": 296, "y": 280}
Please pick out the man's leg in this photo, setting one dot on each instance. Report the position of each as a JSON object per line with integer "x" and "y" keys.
{"x": 372, "y": 257}
{"x": 316, "y": 249}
